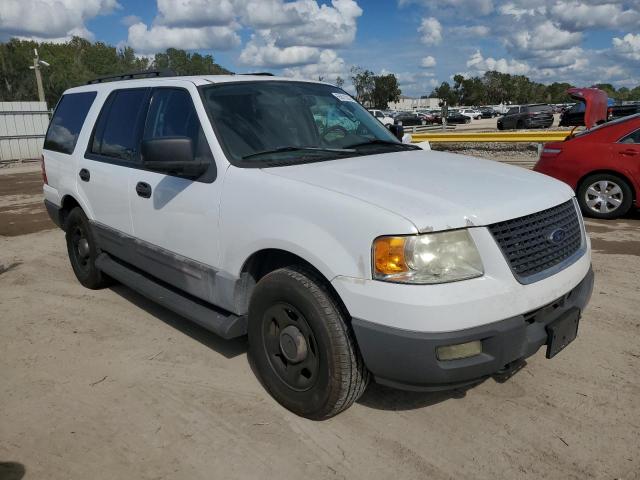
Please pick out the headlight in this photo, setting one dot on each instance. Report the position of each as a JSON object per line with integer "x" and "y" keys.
{"x": 429, "y": 258}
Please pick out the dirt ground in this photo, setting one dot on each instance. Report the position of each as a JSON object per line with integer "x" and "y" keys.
{"x": 105, "y": 384}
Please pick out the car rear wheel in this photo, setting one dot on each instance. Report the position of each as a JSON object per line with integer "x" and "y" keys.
{"x": 302, "y": 346}
{"x": 605, "y": 196}
{"x": 82, "y": 250}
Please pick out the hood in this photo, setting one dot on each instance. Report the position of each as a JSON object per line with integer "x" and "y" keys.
{"x": 596, "y": 102}
{"x": 435, "y": 190}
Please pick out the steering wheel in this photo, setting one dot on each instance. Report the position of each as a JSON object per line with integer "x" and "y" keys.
{"x": 339, "y": 131}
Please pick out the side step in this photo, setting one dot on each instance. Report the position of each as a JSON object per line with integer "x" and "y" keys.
{"x": 227, "y": 325}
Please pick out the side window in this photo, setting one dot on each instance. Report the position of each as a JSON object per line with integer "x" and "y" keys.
{"x": 513, "y": 110}
{"x": 117, "y": 132}
{"x": 172, "y": 114}
{"x": 633, "y": 137}
{"x": 67, "y": 121}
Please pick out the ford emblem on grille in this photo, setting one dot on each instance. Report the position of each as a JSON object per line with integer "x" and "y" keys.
{"x": 556, "y": 236}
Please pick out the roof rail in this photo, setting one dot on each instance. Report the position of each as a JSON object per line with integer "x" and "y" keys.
{"x": 133, "y": 75}
{"x": 258, "y": 74}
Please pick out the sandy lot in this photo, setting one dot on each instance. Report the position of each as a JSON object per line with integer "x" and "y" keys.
{"x": 104, "y": 384}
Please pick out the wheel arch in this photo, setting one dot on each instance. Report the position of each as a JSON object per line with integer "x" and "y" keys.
{"x": 67, "y": 204}
{"x": 267, "y": 260}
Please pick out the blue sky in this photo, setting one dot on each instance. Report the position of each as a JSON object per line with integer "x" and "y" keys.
{"x": 423, "y": 42}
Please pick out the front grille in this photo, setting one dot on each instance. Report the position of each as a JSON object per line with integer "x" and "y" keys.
{"x": 527, "y": 242}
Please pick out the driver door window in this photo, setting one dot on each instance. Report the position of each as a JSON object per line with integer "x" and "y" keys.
{"x": 172, "y": 114}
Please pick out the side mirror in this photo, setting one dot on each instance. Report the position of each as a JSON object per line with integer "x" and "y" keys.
{"x": 397, "y": 130}
{"x": 173, "y": 156}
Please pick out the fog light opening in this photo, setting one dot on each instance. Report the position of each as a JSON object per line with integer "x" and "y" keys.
{"x": 460, "y": 350}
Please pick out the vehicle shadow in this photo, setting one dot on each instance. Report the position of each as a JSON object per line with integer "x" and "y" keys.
{"x": 227, "y": 348}
{"x": 380, "y": 397}
{"x": 11, "y": 471}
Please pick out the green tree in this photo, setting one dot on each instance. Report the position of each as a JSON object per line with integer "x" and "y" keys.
{"x": 364, "y": 82}
{"x": 385, "y": 90}
{"x": 78, "y": 61}
{"x": 445, "y": 92}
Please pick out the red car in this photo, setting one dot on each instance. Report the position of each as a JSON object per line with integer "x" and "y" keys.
{"x": 602, "y": 165}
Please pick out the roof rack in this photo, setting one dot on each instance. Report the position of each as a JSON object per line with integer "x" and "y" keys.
{"x": 258, "y": 74}
{"x": 133, "y": 75}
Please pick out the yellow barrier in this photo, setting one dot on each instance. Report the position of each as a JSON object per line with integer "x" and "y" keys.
{"x": 534, "y": 137}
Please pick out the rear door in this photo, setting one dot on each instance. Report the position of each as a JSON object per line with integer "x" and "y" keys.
{"x": 112, "y": 151}
{"x": 175, "y": 219}
{"x": 626, "y": 154}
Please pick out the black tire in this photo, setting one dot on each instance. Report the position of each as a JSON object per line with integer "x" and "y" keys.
{"x": 624, "y": 197}
{"x": 500, "y": 126}
{"x": 83, "y": 257}
{"x": 324, "y": 345}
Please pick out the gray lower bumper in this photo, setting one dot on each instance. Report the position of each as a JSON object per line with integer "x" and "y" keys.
{"x": 54, "y": 212}
{"x": 407, "y": 360}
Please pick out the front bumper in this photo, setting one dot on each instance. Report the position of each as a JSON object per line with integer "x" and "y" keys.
{"x": 407, "y": 359}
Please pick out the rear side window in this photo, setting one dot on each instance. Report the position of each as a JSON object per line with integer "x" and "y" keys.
{"x": 67, "y": 121}
{"x": 117, "y": 133}
{"x": 632, "y": 138}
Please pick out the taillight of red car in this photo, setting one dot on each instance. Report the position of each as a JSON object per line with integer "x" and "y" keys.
{"x": 550, "y": 151}
{"x": 43, "y": 170}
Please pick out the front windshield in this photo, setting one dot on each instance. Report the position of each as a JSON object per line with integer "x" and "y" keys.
{"x": 260, "y": 122}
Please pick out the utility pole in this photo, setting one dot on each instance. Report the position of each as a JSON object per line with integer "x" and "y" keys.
{"x": 37, "y": 63}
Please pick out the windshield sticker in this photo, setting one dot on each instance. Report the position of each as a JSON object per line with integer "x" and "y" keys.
{"x": 343, "y": 97}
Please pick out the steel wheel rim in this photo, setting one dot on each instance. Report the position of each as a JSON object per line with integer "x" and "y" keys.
{"x": 81, "y": 250}
{"x": 603, "y": 196}
{"x": 279, "y": 325}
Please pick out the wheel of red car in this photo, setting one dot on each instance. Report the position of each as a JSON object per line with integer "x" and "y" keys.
{"x": 605, "y": 195}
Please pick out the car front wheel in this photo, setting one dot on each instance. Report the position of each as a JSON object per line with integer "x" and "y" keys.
{"x": 302, "y": 345}
{"x": 605, "y": 196}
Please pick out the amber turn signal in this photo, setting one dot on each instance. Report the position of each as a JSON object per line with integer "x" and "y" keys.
{"x": 388, "y": 253}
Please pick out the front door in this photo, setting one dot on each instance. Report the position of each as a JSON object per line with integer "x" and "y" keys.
{"x": 175, "y": 219}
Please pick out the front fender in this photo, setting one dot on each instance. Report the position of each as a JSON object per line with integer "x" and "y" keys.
{"x": 332, "y": 231}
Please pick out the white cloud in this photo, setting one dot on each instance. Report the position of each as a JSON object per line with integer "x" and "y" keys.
{"x": 328, "y": 67}
{"x": 471, "y": 31}
{"x": 260, "y": 54}
{"x": 579, "y": 16}
{"x": 428, "y": 62}
{"x": 473, "y": 7}
{"x": 47, "y": 20}
{"x": 321, "y": 26}
{"x": 431, "y": 31}
{"x": 195, "y": 13}
{"x": 130, "y": 20}
{"x": 628, "y": 46}
{"x": 480, "y": 64}
{"x": 159, "y": 37}
{"x": 544, "y": 36}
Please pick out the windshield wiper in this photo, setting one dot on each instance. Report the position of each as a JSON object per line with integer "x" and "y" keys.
{"x": 303, "y": 149}
{"x": 377, "y": 141}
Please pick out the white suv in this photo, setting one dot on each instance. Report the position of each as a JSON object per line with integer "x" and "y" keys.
{"x": 382, "y": 118}
{"x": 283, "y": 210}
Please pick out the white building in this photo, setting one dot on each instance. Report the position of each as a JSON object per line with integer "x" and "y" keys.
{"x": 409, "y": 103}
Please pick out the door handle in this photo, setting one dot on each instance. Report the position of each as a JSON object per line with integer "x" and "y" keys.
{"x": 84, "y": 175}
{"x": 143, "y": 190}
{"x": 629, "y": 152}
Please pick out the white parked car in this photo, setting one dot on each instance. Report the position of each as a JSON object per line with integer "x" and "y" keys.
{"x": 384, "y": 119}
{"x": 283, "y": 210}
{"x": 471, "y": 113}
